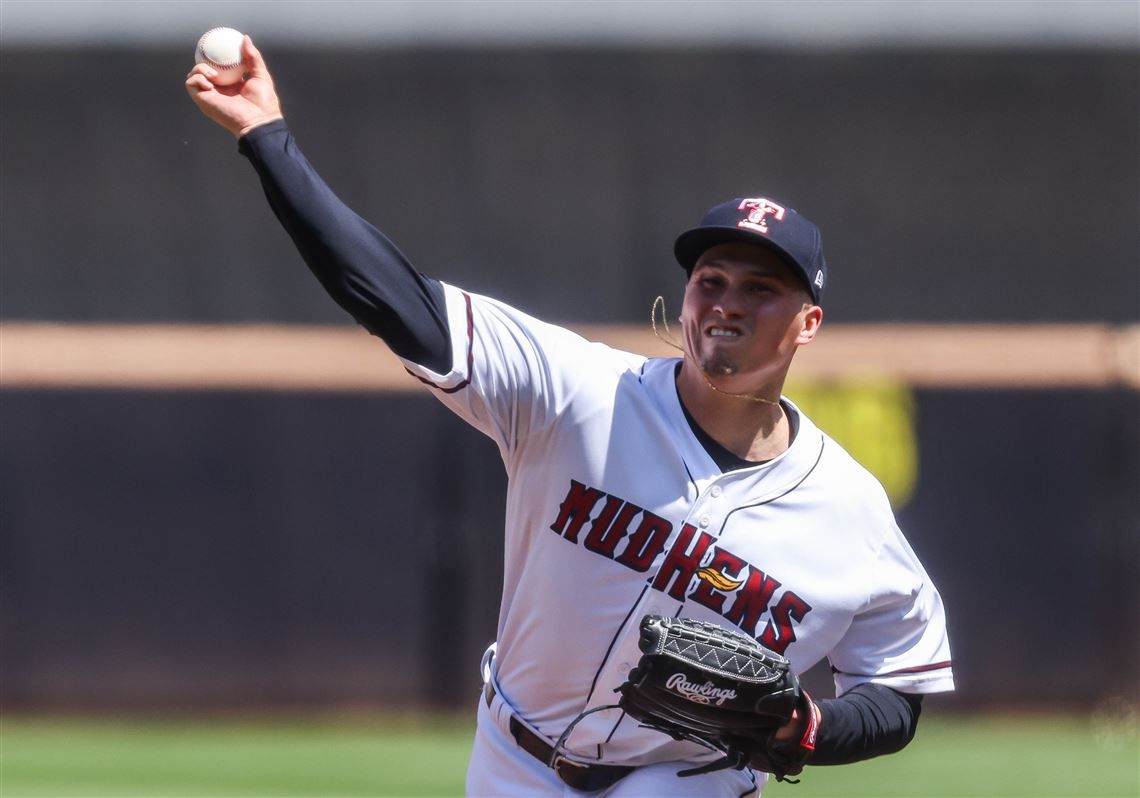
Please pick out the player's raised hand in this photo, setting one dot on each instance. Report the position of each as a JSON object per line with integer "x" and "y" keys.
{"x": 242, "y": 106}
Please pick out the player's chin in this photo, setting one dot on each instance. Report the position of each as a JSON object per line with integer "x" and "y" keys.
{"x": 719, "y": 366}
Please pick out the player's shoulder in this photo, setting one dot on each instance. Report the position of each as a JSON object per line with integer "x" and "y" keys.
{"x": 556, "y": 340}
{"x": 848, "y": 481}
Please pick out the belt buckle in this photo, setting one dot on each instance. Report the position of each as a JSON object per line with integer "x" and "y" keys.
{"x": 586, "y": 778}
{"x": 560, "y": 760}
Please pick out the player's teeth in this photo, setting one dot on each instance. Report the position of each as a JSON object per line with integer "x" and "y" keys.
{"x": 723, "y": 333}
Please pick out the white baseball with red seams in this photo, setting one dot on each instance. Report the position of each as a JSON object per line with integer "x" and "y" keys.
{"x": 615, "y": 510}
{"x": 221, "y": 49}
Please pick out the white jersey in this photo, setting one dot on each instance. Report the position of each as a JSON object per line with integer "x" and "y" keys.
{"x": 615, "y": 510}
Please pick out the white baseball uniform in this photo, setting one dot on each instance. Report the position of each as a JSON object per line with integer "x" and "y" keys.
{"x": 615, "y": 510}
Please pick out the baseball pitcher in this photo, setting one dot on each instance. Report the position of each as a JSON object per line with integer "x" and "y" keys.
{"x": 680, "y": 540}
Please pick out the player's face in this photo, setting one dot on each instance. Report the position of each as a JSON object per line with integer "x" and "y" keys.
{"x": 745, "y": 313}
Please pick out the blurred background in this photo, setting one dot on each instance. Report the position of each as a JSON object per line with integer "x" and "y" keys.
{"x": 219, "y": 496}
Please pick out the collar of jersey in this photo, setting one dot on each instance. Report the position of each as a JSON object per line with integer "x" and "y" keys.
{"x": 778, "y": 475}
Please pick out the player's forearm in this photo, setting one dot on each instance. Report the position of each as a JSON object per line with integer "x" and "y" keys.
{"x": 870, "y": 720}
{"x": 359, "y": 267}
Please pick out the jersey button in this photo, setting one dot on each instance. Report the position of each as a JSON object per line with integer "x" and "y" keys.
{"x": 716, "y": 491}
{"x": 704, "y": 521}
{"x": 624, "y": 668}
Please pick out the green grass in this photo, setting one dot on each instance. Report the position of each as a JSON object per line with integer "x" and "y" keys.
{"x": 232, "y": 758}
{"x": 997, "y": 756}
{"x": 1043, "y": 757}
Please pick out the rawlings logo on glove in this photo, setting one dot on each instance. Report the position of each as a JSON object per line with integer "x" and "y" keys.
{"x": 700, "y": 682}
{"x": 700, "y": 693}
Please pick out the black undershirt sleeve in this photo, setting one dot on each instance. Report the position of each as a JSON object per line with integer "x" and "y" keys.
{"x": 870, "y": 720}
{"x": 359, "y": 267}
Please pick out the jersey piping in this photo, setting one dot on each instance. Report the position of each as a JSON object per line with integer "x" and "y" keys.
{"x": 470, "y": 355}
{"x": 819, "y": 456}
{"x": 934, "y": 666}
{"x": 613, "y": 641}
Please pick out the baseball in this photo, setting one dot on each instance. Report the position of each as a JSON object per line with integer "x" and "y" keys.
{"x": 221, "y": 49}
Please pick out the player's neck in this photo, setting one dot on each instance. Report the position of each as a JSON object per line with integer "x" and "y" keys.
{"x": 754, "y": 428}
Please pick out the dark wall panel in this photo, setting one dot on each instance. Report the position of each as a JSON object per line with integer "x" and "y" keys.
{"x": 225, "y": 549}
{"x": 222, "y": 548}
{"x": 951, "y": 185}
{"x": 1027, "y": 515}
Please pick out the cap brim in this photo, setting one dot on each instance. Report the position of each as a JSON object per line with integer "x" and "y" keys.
{"x": 691, "y": 244}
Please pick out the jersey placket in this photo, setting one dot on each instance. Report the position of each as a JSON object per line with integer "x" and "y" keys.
{"x": 689, "y": 548}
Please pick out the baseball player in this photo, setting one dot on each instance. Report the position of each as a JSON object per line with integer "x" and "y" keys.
{"x": 686, "y": 487}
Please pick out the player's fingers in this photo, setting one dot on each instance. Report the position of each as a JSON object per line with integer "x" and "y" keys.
{"x": 203, "y": 69}
{"x": 196, "y": 83}
{"x": 253, "y": 59}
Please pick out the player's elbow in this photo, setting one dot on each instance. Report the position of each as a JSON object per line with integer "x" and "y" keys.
{"x": 909, "y": 716}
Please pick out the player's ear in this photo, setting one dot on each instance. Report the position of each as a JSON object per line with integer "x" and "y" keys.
{"x": 812, "y": 319}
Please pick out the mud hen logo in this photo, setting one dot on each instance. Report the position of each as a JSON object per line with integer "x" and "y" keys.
{"x": 694, "y": 567}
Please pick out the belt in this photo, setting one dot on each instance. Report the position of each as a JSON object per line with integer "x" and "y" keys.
{"x": 586, "y": 778}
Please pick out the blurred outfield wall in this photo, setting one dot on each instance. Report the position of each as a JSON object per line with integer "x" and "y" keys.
{"x": 251, "y": 546}
{"x": 963, "y": 186}
{"x": 242, "y": 549}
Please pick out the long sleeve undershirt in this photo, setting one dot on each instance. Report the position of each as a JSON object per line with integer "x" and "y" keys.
{"x": 370, "y": 278}
{"x": 359, "y": 267}
{"x": 869, "y": 720}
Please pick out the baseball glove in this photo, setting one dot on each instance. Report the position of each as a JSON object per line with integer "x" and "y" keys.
{"x": 699, "y": 682}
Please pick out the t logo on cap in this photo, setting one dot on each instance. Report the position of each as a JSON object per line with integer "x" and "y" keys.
{"x": 758, "y": 209}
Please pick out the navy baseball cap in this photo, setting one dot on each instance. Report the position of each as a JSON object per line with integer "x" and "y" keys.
{"x": 758, "y": 220}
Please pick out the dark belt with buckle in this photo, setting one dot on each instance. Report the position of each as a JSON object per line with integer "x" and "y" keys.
{"x": 586, "y": 778}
